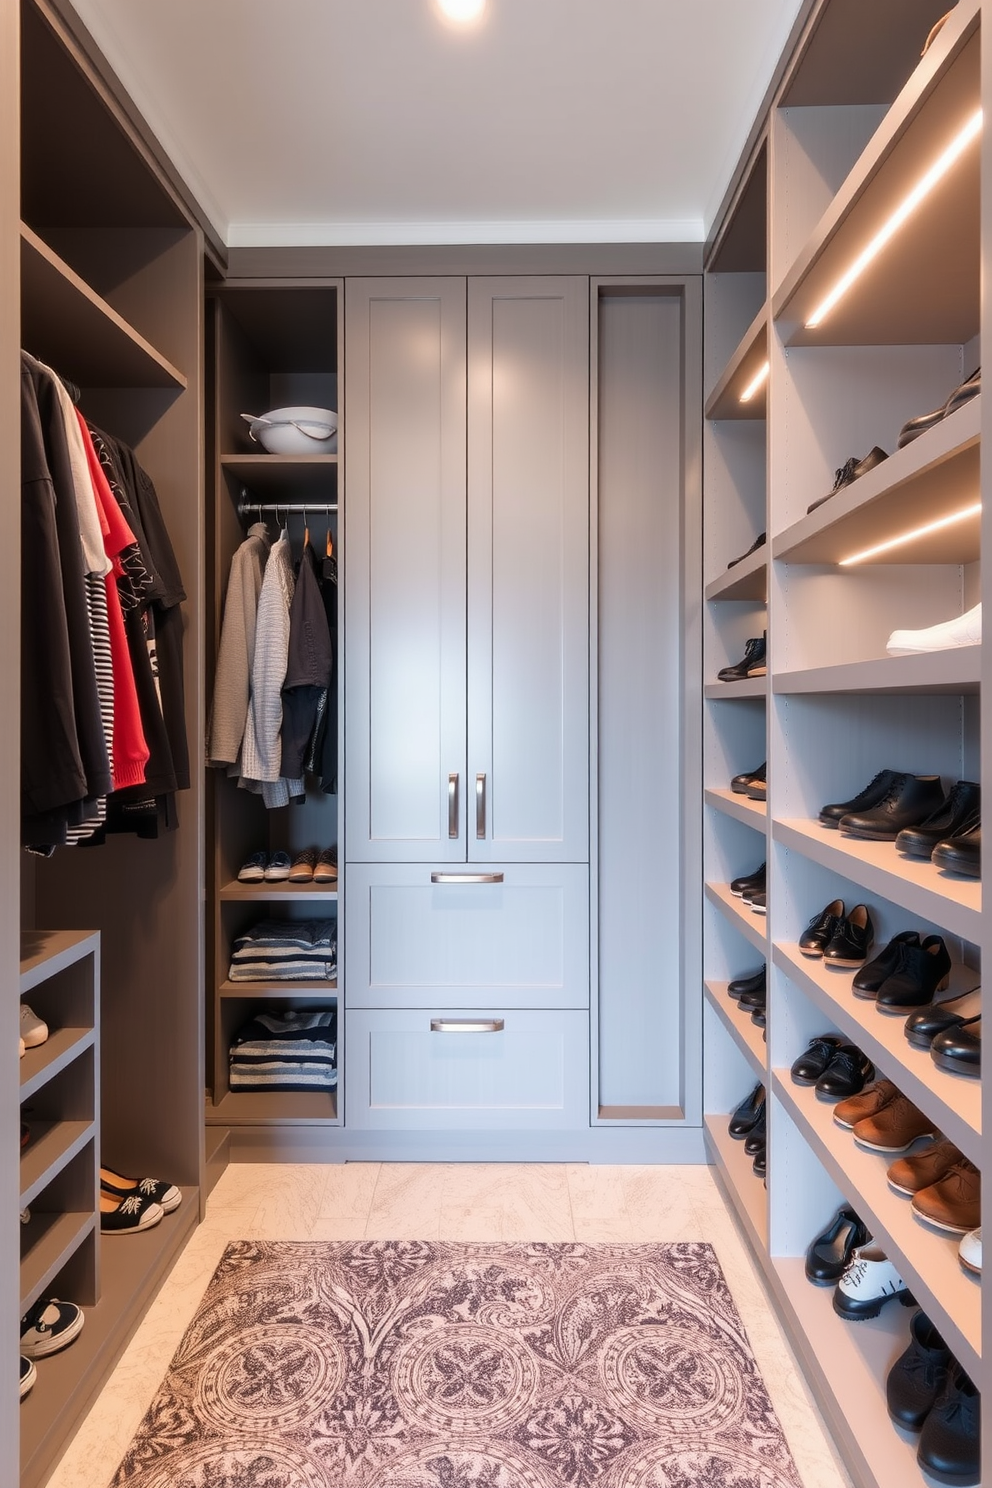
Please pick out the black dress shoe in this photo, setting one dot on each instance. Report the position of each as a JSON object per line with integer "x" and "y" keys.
{"x": 757, "y": 787}
{"x": 961, "y": 395}
{"x": 760, "y": 1165}
{"x": 852, "y": 939}
{"x": 821, "y": 928}
{"x": 759, "y": 542}
{"x": 751, "y": 1110}
{"x": 850, "y": 471}
{"x": 815, "y": 1058}
{"x": 959, "y": 1049}
{"x": 963, "y": 853}
{"x": 922, "y": 1027}
{"x": 918, "y": 1376}
{"x": 847, "y": 1074}
{"x": 950, "y": 817}
{"x": 876, "y": 790}
{"x": 759, "y": 1017}
{"x": 740, "y": 783}
{"x": 949, "y": 1448}
{"x": 756, "y": 998}
{"x": 909, "y": 801}
{"x": 871, "y": 976}
{"x": 828, "y": 1255}
{"x": 756, "y": 982}
{"x": 753, "y": 658}
{"x": 757, "y": 1136}
{"x": 922, "y": 971}
{"x": 755, "y": 880}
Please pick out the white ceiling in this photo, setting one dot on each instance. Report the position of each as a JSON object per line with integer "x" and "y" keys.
{"x": 375, "y": 121}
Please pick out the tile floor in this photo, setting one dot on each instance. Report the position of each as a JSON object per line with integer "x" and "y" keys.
{"x": 408, "y": 1201}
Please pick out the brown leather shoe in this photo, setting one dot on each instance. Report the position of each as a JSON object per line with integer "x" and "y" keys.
{"x": 955, "y": 1202}
{"x": 894, "y": 1128}
{"x": 908, "y": 1175}
{"x": 865, "y": 1103}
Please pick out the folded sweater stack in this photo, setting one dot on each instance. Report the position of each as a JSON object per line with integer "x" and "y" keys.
{"x": 286, "y": 951}
{"x": 294, "y": 1050}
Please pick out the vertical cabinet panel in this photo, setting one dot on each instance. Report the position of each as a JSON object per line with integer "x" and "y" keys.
{"x": 405, "y": 697}
{"x": 528, "y": 732}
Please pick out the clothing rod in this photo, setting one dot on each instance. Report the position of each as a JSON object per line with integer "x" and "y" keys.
{"x": 291, "y": 508}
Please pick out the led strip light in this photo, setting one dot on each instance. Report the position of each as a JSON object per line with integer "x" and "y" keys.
{"x": 907, "y": 537}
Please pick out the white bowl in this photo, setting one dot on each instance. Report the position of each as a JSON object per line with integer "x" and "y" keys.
{"x": 295, "y": 431}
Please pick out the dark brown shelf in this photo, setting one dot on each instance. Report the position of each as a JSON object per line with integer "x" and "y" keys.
{"x": 273, "y": 1108}
{"x": 44, "y": 953}
{"x": 52, "y": 1147}
{"x": 312, "y": 991}
{"x": 41, "y": 1064}
{"x": 47, "y": 1244}
{"x": 258, "y": 893}
{"x": 294, "y": 477}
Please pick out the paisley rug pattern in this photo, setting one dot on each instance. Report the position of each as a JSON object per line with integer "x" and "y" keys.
{"x": 381, "y": 1364}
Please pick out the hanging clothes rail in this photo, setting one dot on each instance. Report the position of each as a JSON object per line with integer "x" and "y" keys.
{"x": 290, "y": 508}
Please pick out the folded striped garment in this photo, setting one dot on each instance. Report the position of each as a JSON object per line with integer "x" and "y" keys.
{"x": 286, "y": 951}
{"x": 286, "y": 1051}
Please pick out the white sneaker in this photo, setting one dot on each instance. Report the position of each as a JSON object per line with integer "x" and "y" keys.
{"x": 966, "y": 630}
{"x": 34, "y": 1030}
{"x": 868, "y": 1283}
{"x": 970, "y": 1250}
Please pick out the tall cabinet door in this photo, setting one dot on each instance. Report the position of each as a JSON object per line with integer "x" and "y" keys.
{"x": 528, "y": 592}
{"x": 405, "y": 521}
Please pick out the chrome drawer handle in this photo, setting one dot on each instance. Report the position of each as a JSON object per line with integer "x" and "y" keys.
{"x": 480, "y": 806}
{"x": 466, "y": 878}
{"x": 453, "y": 804}
{"x": 466, "y": 1025}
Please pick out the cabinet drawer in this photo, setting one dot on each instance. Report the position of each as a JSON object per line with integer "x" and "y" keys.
{"x": 418, "y": 1071}
{"x": 522, "y": 941}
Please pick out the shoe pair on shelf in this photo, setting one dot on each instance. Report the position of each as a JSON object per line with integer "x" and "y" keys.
{"x": 829, "y": 1254}
{"x": 48, "y": 1326}
{"x": 752, "y": 783}
{"x": 961, "y": 395}
{"x": 837, "y": 1069}
{"x": 840, "y": 939}
{"x": 749, "y": 1123}
{"x": 926, "y": 1390}
{"x": 850, "y": 471}
{"x": 952, "y": 1031}
{"x": 906, "y": 974}
{"x": 751, "y": 887}
{"x": 278, "y": 867}
{"x": 882, "y": 1119}
{"x": 752, "y": 664}
{"x": 964, "y": 630}
{"x": 751, "y": 995}
{"x": 34, "y": 1030}
{"x": 945, "y": 1188}
{"x": 913, "y": 812}
{"x": 129, "y": 1206}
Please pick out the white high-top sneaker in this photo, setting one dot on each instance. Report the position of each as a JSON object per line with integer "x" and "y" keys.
{"x": 966, "y": 630}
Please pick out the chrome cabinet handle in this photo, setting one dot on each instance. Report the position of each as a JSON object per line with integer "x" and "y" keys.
{"x": 467, "y": 1025}
{"x": 453, "y": 804}
{"x": 466, "y": 878}
{"x": 480, "y": 805}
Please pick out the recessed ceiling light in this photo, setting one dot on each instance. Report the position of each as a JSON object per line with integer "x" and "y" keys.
{"x": 463, "y": 11}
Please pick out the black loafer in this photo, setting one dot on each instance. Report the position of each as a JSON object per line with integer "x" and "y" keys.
{"x": 922, "y": 971}
{"x": 911, "y": 799}
{"x": 756, "y": 982}
{"x": 740, "y": 783}
{"x": 851, "y": 470}
{"x": 821, "y": 928}
{"x": 851, "y": 941}
{"x": 760, "y": 1165}
{"x": 759, "y": 1017}
{"x": 918, "y": 1376}
{"x": 876, "y": 790}
{"x": 961, "y": 854}
{"x": 755, "y": 880}
{"x": 951, "y": 817}
{"x": 959, "y": 1049}
{"x": 756, "y": 998}
{"x": 923, "y": 1026}
{"x": 750, "y": 1111}
{"x": 847, "y": 1074}
{"x": 815, "y": 1058}
{"x": 828, "y": 1255}
{"x": 871, "y": 976}
{"x": 758, "y": 1135}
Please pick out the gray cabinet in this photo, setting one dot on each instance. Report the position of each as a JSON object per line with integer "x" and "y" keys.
{"x": 467, "y": 528}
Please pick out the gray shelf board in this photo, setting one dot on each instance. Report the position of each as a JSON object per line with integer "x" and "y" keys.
{"x": 258, "y": 893}
{"x": 274, "y": 1108}
{"x": 752, "y": 926}
{"x": 44, "y": 953}
{"x": 957, "y": 671}
{"x": 312, "y": 991}
{"x": 293, "y": 477}
{"x": 926, "y": 1259}
{"x": 748, "y": 579}
{"x": 748, "y": 687}
{"x": 741, "y": 808}
{"x": 54, "y": 1239}
{"x": 915, "y": 884}
{"x": 46, "y": 1061}
{"x": 133, "y": 1268}
{"x": 857, "y": 53}
{"x": 746, "y": 1035}
{"x": 953, "y": 1101}
{"x": 725, "y": 400}
{"x": 52, "y": 1148}
{"x": 934, "y": 476}
{"x": 939, "y": 244}
{"x": 747, "y": 1193}
{"x": 71, "y": 327}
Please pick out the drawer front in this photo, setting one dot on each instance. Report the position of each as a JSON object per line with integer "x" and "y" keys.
{"x": 512, "y": 1070}
{"x": 522, "y": 941}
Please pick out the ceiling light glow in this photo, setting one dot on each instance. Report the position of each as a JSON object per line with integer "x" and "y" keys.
{"x": 907, "y": 537}
{"x": 906, "y": 207}
{"x": 462, "y": 11}
{"x": 757, "y": 381}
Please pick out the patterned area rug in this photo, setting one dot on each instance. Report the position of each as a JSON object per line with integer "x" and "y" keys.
{"x": 412, "y": 1365}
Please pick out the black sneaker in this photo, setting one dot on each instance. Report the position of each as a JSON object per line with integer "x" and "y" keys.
{"x": 49, "y": 1326}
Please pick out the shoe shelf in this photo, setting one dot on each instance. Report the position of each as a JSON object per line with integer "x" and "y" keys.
{"x": 48, "y": 1244}
{"x": 934, "y": 476}
{"x": 926, "y": 1258}
{"x": 938, "y": 248}
{"x": 274, "y": 1108}
{"x": 70, "y": 326}
{"x": 292, "y": 477}
{"x": 60, "y": 1049}
{"x": 748, "y": 687}
{"x": 752, "y": 926}
{"x": 44, "y": 953}
{"x": 746, "y": 362}
{"x": 52, "y": 1148}
{"x": 956, "y": 672}
{"x": 921, "y": 889}
{"x": 747, "y": 1193}
{"x": 310, "y": 991}
{"x": 741, "y": 808}
{"x": 290, "y": 892}
{"x": 746, "y": 1035}
{"x": 748, "y": 579}
{"x": 953, "y": 1101}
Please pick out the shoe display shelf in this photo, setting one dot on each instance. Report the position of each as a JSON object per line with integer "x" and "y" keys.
{"x": 275, "y": 344}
